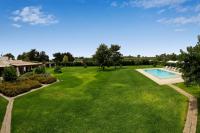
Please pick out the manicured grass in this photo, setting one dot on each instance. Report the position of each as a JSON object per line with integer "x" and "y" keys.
{"x": 3, "y": 104}
{"x": 90, "y": 101}
{"x": 195, "y": 91}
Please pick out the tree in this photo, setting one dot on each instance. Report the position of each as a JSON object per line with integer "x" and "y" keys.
{"x": 9, "y": 74}
{"x": 40, "y": 70}
{"x": 105, "y": 56}
{"x": 34, "y": 55}
{"x": 58, "y": 57}
{"x": 23, "y": 56}
{"x": 191, "y": 64}
{"x": 116, "y": 56}
{"x": 65, "y": 59}
{"x": 70, "y": 56}
{"x": 10, "y": 56}
{"x": 43, "y": 57}
{"x": 102, "y": 55}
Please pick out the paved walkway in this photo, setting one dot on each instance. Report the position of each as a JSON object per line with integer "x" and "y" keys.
{"x": 191, "y": 120}
{"x": 6, "y": 125}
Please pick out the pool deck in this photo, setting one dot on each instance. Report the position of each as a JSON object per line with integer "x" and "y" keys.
{"x": 163, "y": 81}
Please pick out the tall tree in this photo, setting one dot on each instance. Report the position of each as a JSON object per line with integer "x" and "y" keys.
{"x": 191, "y": 64}
{"x": 105, "y": 56}
{"x": 65, "y": 59}
{"x": 70, "y": 56}
{"x": 34, "y": 55}
{"x": 43, "y": 57}
{"x": 58, "y": 57}
{"x": 116, "y": 56}
{"x": 24, "y": 56}
{"x": 102, "y": 55}
{"x": 10, "y": 56}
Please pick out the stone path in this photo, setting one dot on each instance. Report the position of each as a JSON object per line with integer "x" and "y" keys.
{"x": 6, "y": 125}
{"x": 191, "y": 120}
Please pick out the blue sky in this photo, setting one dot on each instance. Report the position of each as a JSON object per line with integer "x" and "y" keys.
{"x": 145, "y": 27}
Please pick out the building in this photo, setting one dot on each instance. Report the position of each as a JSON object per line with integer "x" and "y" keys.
{"x": 21, "y": 66}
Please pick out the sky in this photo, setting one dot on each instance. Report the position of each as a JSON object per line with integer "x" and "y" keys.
{"x": 145, "y": 27}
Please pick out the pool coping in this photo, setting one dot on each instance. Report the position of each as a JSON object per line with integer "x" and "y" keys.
{"x": 163, "y": 81}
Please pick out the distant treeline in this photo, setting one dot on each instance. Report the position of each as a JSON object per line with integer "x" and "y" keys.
{"x": 41, "y": 56}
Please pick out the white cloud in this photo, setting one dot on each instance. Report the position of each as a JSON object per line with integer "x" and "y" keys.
{"x": 182, "y": 9}
{"x": 33, "y": 15}
{"x": 152, "y": 3}
{"x": 16, "y": 25}
{"x": 197, "y": 8}
{"x": 181, "y": 20}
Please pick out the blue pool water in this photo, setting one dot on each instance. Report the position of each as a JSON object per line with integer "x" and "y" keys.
{"x": 160, "y": 73}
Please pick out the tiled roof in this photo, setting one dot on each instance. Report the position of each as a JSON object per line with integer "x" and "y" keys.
{"x": 22, "y": 63}
{"x": 6, "y": 63}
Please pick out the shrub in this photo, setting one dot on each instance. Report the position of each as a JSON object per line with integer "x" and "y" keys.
{"x": 85, "y": 65}
{"x": 25, "y": 83}
{"x": 57, "y": 69}
{"x": 27, "y": 74}
{"x": 43, "y": 78}
{"x": 15, "y": 88}
{"x": 155, "y": 63}
{"x": 40, "y": 70}
{"x": 9, "y": 74}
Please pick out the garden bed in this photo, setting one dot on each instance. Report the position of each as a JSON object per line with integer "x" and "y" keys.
{"x": 25, "y": 83}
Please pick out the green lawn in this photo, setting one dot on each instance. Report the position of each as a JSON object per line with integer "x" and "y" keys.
{"x": 194, "y": 90}
{"x": 90, "y": 101}
{"x": 3, "y": 105}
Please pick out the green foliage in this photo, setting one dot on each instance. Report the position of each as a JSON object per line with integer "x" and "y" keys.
{"x": 85, "y": 65}
{"x": 25, "y": 83}
{"x": 43, "y": 78}
{"x": 105, "y": 56}
{"x": 165, "y": 57}
{"x": 191, "y": 64}
{"x": 43, "y": 57}
{"x": 9, "y": 74}
{"x": 34, "y": 55}
{"x": 58, "y": 57}
{"x": 10, "y": 56}
{"x": 27, "y": 74}
{"x": 154, "y": 63}
{"x": 40, "y": 70}
{"x": 57, "y": 69}
{"x": 65, "y": 59}
{"x": 15, "y": 88}
{"x": 116, "y": 56}
{"x": 102, "y": 55}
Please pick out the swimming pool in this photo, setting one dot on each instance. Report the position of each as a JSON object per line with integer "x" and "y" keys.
{"x": 161, "y": 73}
